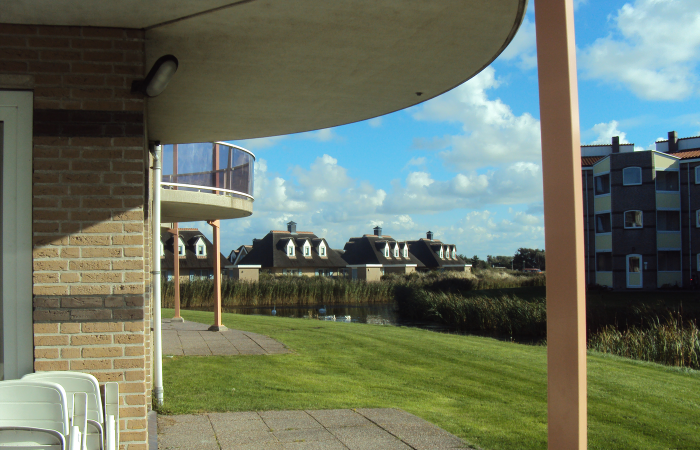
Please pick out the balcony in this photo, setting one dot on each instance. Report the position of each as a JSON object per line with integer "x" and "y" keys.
{"x": 206, "y": 181}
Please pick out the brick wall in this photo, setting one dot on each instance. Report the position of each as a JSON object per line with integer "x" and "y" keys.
{"x": 90, "y": 207}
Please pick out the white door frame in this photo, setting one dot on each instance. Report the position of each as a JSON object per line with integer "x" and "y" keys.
{"x": 16, "y": 114}
{"x": 641, "y": 270}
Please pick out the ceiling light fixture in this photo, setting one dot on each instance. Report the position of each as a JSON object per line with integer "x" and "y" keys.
{"x": 158, "y": 77}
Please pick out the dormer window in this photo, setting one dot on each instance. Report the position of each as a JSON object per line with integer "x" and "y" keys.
{"x": 454, "y": 252}
{"x": 162, "y": 250}
{"x": 290, "y": 248}
{"x": 181, "y": 248}
{"x": 322, "y": 249}
{"x": 405, "y": 251}
{"x": 200, "y": 248}
{"x": 442, "y": 254}
{"x": 386, "y": 251}
{"x": 396, "y": 251}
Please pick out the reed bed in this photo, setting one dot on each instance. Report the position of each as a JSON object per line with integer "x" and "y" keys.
{"x": 504, "y": 315}
{"x": 281, "y": 291}
{"x": 306, "y": 291}
{"x": 672, "y": 342}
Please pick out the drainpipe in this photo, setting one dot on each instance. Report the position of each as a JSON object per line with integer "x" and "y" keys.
{"x": 157, "y": 336}
{"x": 690, "y": 231}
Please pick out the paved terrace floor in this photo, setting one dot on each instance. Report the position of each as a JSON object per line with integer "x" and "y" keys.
{"x": 341, "y": 429}
{"x": 194, "y": 339}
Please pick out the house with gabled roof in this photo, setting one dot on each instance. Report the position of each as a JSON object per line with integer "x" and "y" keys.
{"x": 436, "y": 255}
{"x": 195, "y": 253}
{"x": 373, "y": 255}
{"x": 293, "y": 252}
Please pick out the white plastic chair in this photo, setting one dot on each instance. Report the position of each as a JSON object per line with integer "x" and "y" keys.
{"x": 34, "y": 415}
{"x": 74, "y": 382}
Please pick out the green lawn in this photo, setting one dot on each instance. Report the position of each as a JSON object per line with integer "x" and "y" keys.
{"x": 490, "y": 393}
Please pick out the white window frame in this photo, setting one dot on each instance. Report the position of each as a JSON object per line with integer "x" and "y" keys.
{"x": 595, "y": 223}
{"x": 307, "y": 249}
{"x": 609, "y": 184}
{"x": 442, "y": 254}
{"x": 290, "y": 248}
{"x": 624, "y": 183}
{"x": 624, "y": 220}
{"x": 405, "y": 250}
{"x": 16, "y": 115}
{"x": 322, "y": 249}
{"x": 181, "y": 248}
{"x": 162, "y": 250}
{"x": 454, "y": 252}
{"x": 386, "y": 251}
{"x": 396, "y": 251}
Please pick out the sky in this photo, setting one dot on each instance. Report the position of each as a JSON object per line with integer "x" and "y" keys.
{"x": 467, "y": 164}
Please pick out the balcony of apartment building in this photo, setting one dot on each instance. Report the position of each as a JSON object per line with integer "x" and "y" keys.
{"x": 206, "y": 181}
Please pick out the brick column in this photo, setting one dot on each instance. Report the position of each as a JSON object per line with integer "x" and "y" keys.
{"x": 90, "y": 202}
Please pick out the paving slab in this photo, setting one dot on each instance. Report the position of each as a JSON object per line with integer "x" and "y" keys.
{"x": 338, "y": 429}
{"x": 195, "y": 339}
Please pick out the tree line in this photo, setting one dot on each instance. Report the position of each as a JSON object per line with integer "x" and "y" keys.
{"x": 524, "y": 258}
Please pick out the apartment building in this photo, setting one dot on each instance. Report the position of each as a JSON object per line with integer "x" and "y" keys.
{"x": 642, "y": 214}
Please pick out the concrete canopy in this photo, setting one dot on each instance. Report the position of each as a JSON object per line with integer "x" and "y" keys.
{"x": 255, "y": 68}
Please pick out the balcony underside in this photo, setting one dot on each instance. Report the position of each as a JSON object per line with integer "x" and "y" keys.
{"x": 189, "y": 206}
{"x": 270, "y": 67}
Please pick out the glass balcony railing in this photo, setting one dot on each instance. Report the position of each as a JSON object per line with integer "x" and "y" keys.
{"x": 215, "y": 168}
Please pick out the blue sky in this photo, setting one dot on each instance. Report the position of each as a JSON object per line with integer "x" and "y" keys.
{"x": 467, "y": 164}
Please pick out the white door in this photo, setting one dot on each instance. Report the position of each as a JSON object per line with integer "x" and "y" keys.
{"x": 16, "y": 335}
{"x": 634, "y": 271}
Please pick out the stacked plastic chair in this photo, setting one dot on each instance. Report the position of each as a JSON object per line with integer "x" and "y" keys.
{"x": 102, "y": 421}
{"x": 34, "y": 414}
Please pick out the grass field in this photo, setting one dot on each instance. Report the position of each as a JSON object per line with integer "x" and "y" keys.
{"x": 490, "y": 393}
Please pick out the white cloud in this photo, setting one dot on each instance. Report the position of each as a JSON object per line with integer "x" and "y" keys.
{"x": 261, "y": 143}
{"x": 491, "y": 134}
{"x": 375, "y": 123}
{"x": 604, "y": 133}
{"x": 419, "y": 161}
{"x": 324, "y": 135}
{"x": 652, "y": 50}
{"x": 523, "y": 47}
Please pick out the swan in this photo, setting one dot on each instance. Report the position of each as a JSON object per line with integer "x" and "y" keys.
{"x": 274, "y": 310}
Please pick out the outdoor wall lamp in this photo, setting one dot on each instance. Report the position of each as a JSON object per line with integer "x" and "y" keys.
{"x": 158, "y": 77}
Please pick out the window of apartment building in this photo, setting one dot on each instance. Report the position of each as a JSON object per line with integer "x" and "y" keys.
{"x": 602, "y": 184}
{"x": 603, "y": 262}
{"x": 442, "y": 255}
{"x": 322, "y": 250}
{"x": 307, "y": 249}
{"x": 697, "y": 262}
{"x": 405, "y": 251}
{"x": 633, "y": 219}
{"x": 669, "y": 261}
{"x": 181, "y": 250}
{"x": 668, "y": 221}
{"x": 290, "y": 249}
{"x": 667, "y": 180}
{"x": 697, "y": 174}
{"x": 396, "y": 251}
{"x": 631, "y": 176}
{"x": 201, "y": 251}
{"x": 386, "y": 251}
{"x": 697, "y": 218}
{"x": 603, "y": 223}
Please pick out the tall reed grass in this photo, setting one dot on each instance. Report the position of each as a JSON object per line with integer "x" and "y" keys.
{"x": 672, "y": 342}
{"x": 305, "y": 291}
{"x": 505, "y": 315}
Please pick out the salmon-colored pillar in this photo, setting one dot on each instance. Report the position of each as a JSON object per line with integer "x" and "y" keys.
{"x": 218, "y": 326}
{"x": 563, "y": 221}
